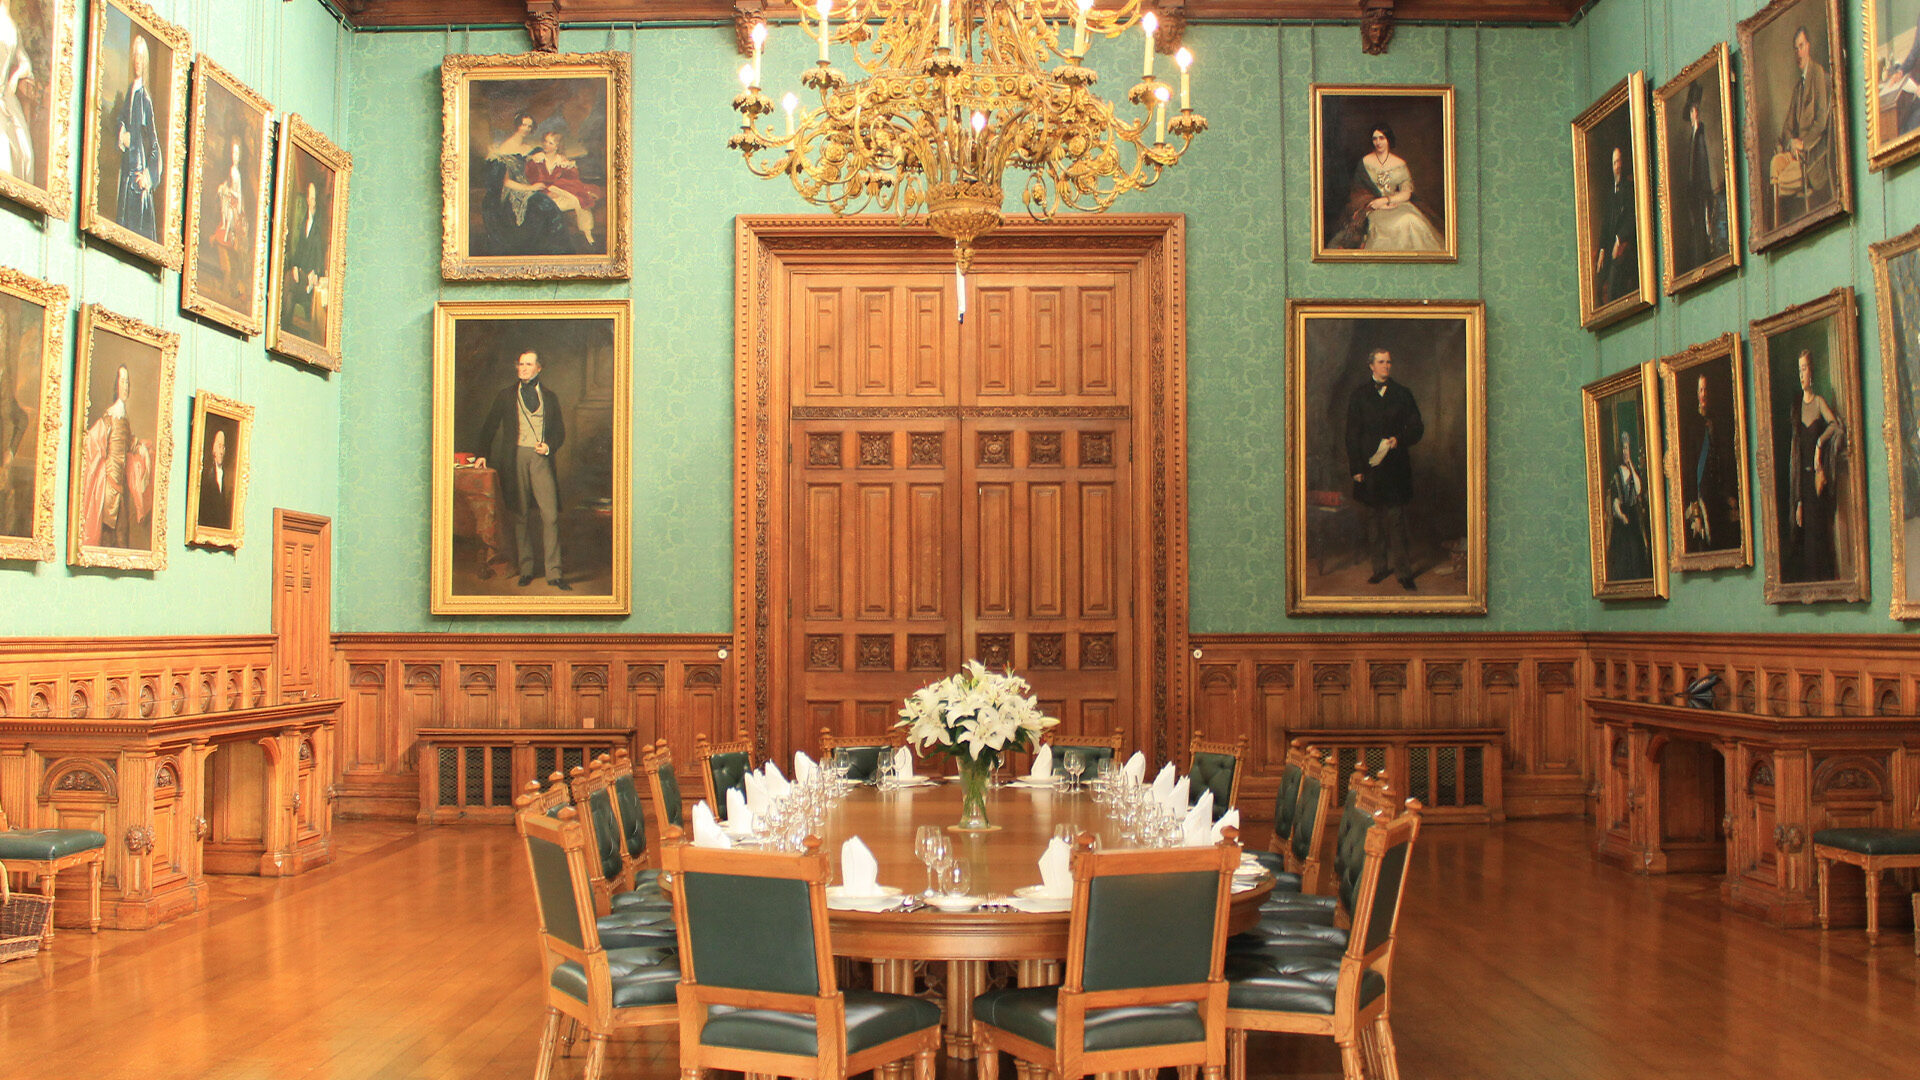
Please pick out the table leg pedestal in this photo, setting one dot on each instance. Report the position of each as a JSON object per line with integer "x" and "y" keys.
{"x": 966, "y": 980}
{"x": 893, "y": 977}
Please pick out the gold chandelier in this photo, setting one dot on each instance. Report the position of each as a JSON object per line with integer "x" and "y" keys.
{"x": 954, "y": 93}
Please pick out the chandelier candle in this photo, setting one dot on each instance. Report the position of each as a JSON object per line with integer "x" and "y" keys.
{"x": 1185, "y": 59}
{"x": 1150, "y": 23}
{"x": 826, "y": 29}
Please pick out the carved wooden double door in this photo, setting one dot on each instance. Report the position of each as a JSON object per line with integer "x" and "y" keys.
{"x": 960, "y": 491}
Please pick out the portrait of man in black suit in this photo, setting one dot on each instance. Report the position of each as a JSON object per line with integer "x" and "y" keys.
{"x": 522, "y": 433}
{"x": 217, "y": 477}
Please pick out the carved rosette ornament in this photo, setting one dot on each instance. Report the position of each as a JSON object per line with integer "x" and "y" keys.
{"x": 1376, "y": 26}
{"x": 139, "y": 840}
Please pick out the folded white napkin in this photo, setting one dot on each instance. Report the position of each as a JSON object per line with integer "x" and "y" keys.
{"x": 1197, "y": 829}
{"x": 739, "y": 817}
{"x": 757, "y": 795}
{"x": 777, "y": 786}
{"x": 1042, "y": 763}
{"x": 1136, "y": 767}
{"x": 903, "y": 764}
{"x": 1178, "y": 798}
{"x": 859, "y": 872}
{"x": 1163, "y": 783}
{"x": 706, "y": 831}
{"x": 1056, "y": 869}
{"x": 804, "y": 768}
{"x": 1228, "y": 820}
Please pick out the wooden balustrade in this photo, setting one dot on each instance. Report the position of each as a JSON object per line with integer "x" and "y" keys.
{"x": 473, "y": 774}
{"x": 1455, "y": 774}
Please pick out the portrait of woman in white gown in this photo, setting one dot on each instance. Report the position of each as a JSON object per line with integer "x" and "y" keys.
{"x": 1383, "y": 173}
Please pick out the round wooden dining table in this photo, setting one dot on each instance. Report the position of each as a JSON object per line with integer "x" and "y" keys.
{"x": 998, "y": 862}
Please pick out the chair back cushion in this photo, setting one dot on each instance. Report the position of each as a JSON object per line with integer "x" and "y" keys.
{"x": 1350, "y": 853}
{"x": 1386, "y": 897}
{"x": 1091, "y": 756}
{"x": 750, "y": 933}
{"x": 1307, "y": 816}
{"x": 1149, "y": 929}
{"x": 728, "y": 771}
{"x": 863, "y": 762}
{"x": 606, "y": 833}
{"x": 669, "y": 793}
{"x": 1285, "y": 802}
{"x": 1213, "y": 772}
{"x": 625, "y": 790}
{"x": 553, "y": 889}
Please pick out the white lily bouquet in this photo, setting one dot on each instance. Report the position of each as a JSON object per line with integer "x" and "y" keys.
{"x": 975, "y": 715}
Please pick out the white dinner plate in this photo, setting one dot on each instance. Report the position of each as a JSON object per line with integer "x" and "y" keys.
{"x": 1037, "y": 892}
{"x": 1036, "y": 905}
{"x": 837, "y": 897}
{"x": 1036, "y": 781}
{"x": 954, "y": 902}
{"x": 918, "y": 781}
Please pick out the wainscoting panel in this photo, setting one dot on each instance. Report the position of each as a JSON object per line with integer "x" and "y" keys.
{"x": 662, "y": 686}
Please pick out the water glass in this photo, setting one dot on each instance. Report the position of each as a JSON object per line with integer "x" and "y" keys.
{"x": 955, "y": 879}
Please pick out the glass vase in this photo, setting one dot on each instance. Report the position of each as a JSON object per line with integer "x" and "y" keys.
{"x": 973, "y": 795}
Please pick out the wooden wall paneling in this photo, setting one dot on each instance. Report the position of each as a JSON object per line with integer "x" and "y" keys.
{"x": 672, "y": 687}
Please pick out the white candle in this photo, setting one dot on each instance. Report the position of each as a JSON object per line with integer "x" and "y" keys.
{"x": 759, "y": 40}
{"x": 825, "y": 8}
{"x": 946, "y": 23}
{"x": 1081, "y": 7}
{"x": 1150, "y": 23}
{"x": 1185, "y": 59}
{"x": 746, "y": 76}
{"x": 791, "y": 102}
{"x": 1160, "y": 96}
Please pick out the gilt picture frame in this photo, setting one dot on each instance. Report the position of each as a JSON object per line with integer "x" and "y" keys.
{"x": 307, "y": 269}
{"x": 122, "y": 456}
{"x": 1386, "y": 466}
{"x": 1709, "y": 497}
{"x": 134, "y": 130}
{"x": 1896, "y": 287}
{"x": 1813, "y": 487}
{"x": 1626, "y": 505}
{"x": 542, "y": 528}
{"x": 219, "y": 471}
{"x": 1384, "y": 183}
{"x": 221, "y": 275}
{"x": 1613, "y": 217}
{"x": 38, "y": 171}
{"x": 1699, "y": 200}
{"x": 1799, "y": 170}
{"x": 33, "y": 323}
{"x": 535, "y": 167}
{"x": 1892, "y": 76}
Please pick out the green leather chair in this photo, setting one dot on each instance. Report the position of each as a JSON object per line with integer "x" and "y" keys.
{"x": 1144, "y": 985}
{"x": 1093, "y": 749}
{"x": 1346, "y": 996}
{"x": 640, "y": 918}
{"x": 44, "y": 853}
{"x": 633, "y": 820}
{"x": 1286, "y": 804}
{"x": 1215, "y": 766}
{"x": 862, "y": 751}
{"x": 665, "y": 786}
{"x": 758, "y": 992}
{"x": 723, "y": 767}
{"x": 599, "y": 988}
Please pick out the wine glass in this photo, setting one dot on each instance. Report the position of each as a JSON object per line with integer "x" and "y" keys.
{"x": 931, "y": 846}
{"x": 1076, "y": 767}
{"x": 883, "y": 772}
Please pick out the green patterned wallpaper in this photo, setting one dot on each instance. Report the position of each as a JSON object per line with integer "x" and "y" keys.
{"x": 1663, "y": 36}
{"x": 1245, "y": 188}
{"x": 293, "y": 54}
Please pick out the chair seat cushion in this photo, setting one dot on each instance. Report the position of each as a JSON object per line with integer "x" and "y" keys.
{"x": 1271, "y": 860}
{"x": 1300, "y": 986}
{"x": 647, "y": 898}
{"x": 1861, "y": 841}
{"x": 48, "y": 844}
{"x": 1032, "y": 1014}
{"x": 637, "y": 929}
{"x": 1299, "y": 902}
{"x": 872, "y": 1019}
{"x": 640, "y": 977}
{"x": 1281, "y": 949}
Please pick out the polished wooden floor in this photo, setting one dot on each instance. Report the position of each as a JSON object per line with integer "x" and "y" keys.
{"x": 413, "y": 956}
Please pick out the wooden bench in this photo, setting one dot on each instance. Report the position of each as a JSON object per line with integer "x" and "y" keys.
{"x": 1873, "y": 851}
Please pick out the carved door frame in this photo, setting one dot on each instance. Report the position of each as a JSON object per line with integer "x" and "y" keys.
{"x": 770, "y": 248}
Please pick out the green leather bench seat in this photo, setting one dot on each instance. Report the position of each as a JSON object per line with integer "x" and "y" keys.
{"x": 640, "y": 977}
{"x": 1301, "y": 986}
{"x": 1032, "y": 1014}
{"x": 48, "y": 844}
{"x": 1859, "y": 841}
{"x": 872, "y": 1018}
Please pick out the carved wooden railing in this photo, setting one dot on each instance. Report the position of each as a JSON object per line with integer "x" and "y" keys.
{"x": 1455, "y": 773}
{"x": 473, "y": 775}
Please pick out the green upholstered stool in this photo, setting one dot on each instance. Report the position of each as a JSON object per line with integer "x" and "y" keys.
{"x": 45, "y": 853}
{"x": 1874, "y": 851}
{"x": 758, "y": 992}
{"x": 1144, "y": 985}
